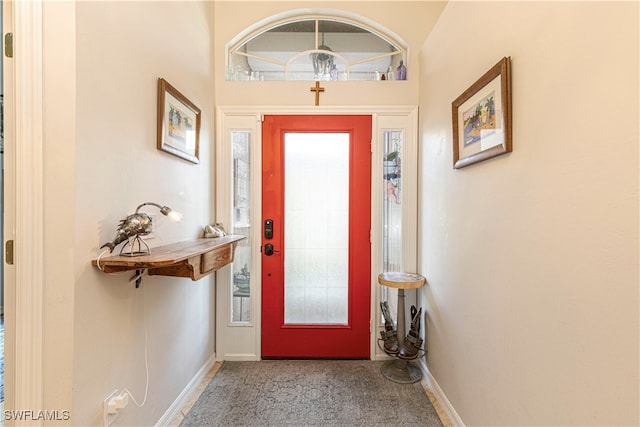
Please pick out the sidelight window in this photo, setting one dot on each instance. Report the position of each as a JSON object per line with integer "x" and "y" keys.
{"x": 241, "y": 225}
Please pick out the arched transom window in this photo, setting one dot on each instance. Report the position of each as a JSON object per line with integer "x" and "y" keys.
{"x": 316, "y": 47}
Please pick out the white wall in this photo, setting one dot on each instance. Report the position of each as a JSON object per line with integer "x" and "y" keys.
{"x": 532, "y": 258}
{"x": 59, "y": 118}
{"x": 410, "y": 20}
{"x": 122, "y": 49}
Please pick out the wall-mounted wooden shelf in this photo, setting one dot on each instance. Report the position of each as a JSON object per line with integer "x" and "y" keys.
{"x": 192, "y": 258}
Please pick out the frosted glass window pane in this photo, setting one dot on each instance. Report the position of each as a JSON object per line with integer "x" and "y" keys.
{"x": 316, "y": 181}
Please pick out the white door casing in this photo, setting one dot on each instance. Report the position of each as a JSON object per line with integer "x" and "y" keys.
{"x": 23, "y": 219}
{"x": 241, "y": 340}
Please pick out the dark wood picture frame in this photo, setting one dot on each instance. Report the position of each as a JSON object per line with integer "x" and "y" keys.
{"x": 178, "y": 123}
{"x": 482, "y": 117}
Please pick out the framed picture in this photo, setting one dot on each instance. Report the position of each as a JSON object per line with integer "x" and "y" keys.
{"x": 178, "y": 123}
{"x": 482, "y": 117}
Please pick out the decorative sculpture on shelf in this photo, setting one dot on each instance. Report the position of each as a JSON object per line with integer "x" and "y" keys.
{"x": 135, "y": 225}
{"x": 401, "y": 71}
{"x": 215, "y": 230}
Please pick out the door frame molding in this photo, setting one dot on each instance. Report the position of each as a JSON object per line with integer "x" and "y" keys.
{"x": 24, "y": 149}
{"x": 248, "y": 348}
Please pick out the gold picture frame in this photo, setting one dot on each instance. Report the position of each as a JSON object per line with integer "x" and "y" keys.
{"x": 482, "y": 117}
{"x": 178, "y": 123}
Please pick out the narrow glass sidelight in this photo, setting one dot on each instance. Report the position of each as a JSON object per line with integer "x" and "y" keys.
{"x": 316, "y": 254}
{"x": 241, "y": 224}
{"x": 392, "y": 209}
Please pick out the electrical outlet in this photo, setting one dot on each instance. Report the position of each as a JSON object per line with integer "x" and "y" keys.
{"x": 109, "y": 417}
{"x": 122, "y": 400}
{"x": 113, "y": 404}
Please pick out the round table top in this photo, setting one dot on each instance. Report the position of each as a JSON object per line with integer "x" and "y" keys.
{"x": 400, "y": 280}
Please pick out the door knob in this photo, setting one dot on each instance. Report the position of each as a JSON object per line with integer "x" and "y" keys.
{"x": 269, "y": 250}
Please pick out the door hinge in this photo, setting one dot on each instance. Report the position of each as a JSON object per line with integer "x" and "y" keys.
{"x": 8, "y": 45}
{"x": 8, "y": 252}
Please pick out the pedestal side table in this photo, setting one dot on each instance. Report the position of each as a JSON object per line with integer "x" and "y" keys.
{"x": 400, "y": 370}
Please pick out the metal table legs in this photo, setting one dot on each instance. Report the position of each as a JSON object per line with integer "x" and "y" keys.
{"x": 400, "y": 370}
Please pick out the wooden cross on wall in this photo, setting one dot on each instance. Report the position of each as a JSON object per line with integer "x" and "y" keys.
{"x": 317, "y": 89}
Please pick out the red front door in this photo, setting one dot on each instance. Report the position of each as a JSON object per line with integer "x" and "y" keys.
{"x": 316, "y": 252}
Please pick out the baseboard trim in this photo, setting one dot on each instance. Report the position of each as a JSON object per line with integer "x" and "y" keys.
{"x": 445, "y": 405}
{"x": 181, "y": 400}
{"x": 240, "y": 358}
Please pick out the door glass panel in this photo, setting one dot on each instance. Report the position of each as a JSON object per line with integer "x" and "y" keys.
{"x": 316, "y": 229}
{"x": 241, "y": 286}
{"x": 392, "y": 209}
